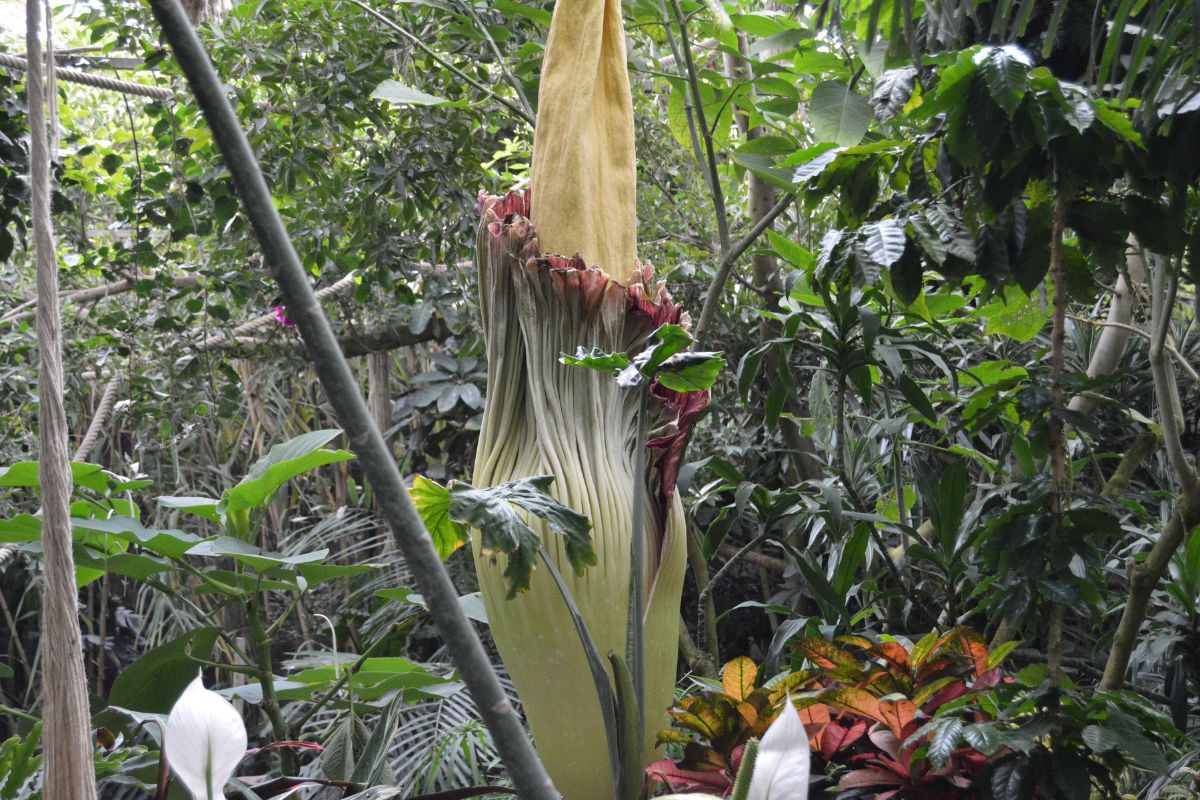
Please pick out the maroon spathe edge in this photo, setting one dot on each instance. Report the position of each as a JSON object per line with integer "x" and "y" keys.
{"x": 571, "y": 275}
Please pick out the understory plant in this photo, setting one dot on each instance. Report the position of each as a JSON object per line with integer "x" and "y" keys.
{"x": 934, "y": 719}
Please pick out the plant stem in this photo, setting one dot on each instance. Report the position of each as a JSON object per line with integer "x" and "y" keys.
{"x": 638, "y": 556}
{"x": 341, "y": 388}
{"x": 706, "y": 612}
{"x": 266, "y": 679}
{"x": 320, "y": 702}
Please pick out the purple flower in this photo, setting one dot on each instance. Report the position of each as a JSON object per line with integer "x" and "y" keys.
{"x": 282, "y": 318}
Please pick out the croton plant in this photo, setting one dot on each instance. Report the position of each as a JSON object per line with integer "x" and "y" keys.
{"x": 871, "y": 708}
{"x": 889, "y": 720}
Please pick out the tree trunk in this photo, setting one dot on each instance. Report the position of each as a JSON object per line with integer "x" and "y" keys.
{"x": 69, "y": 772}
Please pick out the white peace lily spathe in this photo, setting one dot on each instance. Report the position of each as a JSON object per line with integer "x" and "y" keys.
{"x": 778, "y": 769}
{"x": 204, "y": 741}
{"x": 781, "y": 768}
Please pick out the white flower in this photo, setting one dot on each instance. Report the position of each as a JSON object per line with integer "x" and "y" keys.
{"x": 781, "y": 768}
{"x": 204, "y": 741}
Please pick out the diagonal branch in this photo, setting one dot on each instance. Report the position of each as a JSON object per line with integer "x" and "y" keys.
{"x": 342, "y": 389}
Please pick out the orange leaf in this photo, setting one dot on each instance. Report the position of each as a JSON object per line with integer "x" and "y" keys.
{"x": 737, "y": 678}
{"x": 748, "y": 712}
{"x": 825, "y": 653}
{"x": 856, "y": 701}
{"x": 893, "y": 653}
{"x": 972, "y": 644}
{"x": 896, "y": 715}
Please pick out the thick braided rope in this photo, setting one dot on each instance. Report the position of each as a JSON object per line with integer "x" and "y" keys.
{"x": 88, "y": 79}
{"x": 99, "y": 420}
{"x": 69, "y": 770}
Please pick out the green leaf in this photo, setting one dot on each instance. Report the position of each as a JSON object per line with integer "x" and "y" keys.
{"x": 1010, "y": 780}
{"x": 690, "y": 372}
{"x": 789, "y": 251}
{"x": 252, "y": 556}
{"x": 825, "y": 154}
{"x": 1016, "y": 316}
{"x": 596, "y": 359}
{"x": 1134, "y": 743}
{"x": 892, "y": 91}
{"x": 202, "y": 506}
{"x": 375, "y": 678}
{"x": 155, "y": 680}
{"x": 20, "y": 529}
{"x": 503, "y": 530}
{"x": 398, "y": 94}
{"x": 837, "y": 114}
{"x": 944, "y": 741}
{"x": 883, "y": 241}
{"x": 1006, "y": 72}
{"x": 433, "y": 504}
{"x": 24, "y": 474}
{"x": 1117, "y": 122}
{"x": 1099, "y": 738}
{"x": 917, "y": 399}
{"x": 512, "y": 8}
{"x": 282, "y": 463}
{"x": 982, "y": 737}
{"x": 853, "y": 551}
{"x": 170, "y": 543}
{"x": 374, "y": 760}
{"x": 665, "y": 342}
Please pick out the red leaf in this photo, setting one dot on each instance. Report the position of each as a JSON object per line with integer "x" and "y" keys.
{"x": 838, "y": 736}
{"x": 683, "y": 780}
{"x": 869, "y": 776}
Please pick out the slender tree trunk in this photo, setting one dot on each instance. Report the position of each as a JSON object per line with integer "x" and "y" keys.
{"x": 1144, "y": 577}
{"x": 1110, "y": 345}
{"x": 69, "y": 772}
{"x": 1060, "y": 467}
{"x": 379, "y": 396}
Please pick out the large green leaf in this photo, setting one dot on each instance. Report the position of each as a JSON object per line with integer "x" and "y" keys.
{"x": 1006, "y": 72}
{"x": 837, "y": 114}
{"x": 202, "y": 506}
{"x": 883, "y": 242}
{"x": 892, "y": 91}
{"x": 155, "y": 680}
{"x": 375, "y": 678}
{"x": 1016, "y": 316}
{"x": 20, "y": 529}
{"x": 503, "y": 530}
{"x": 169, "y": 543}
{"x": 690, "y": 372}
{"x": 433, "y": 504}
{"x": 282, "y": 463}
{"x": 251, "y": 556}
{"x": 24, "y": 474}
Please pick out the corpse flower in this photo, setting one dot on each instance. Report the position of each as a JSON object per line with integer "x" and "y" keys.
{"x": 541, "y": 297}
{"x": 204, "y": 740}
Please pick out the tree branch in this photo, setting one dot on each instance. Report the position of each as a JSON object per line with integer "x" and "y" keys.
{"x": 713, "y": 298}
{"x": 376, "y": 339}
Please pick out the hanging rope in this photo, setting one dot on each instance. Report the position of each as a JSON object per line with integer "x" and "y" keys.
{"x": 69, "y": 771}
{"x": 88, "y": 79}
